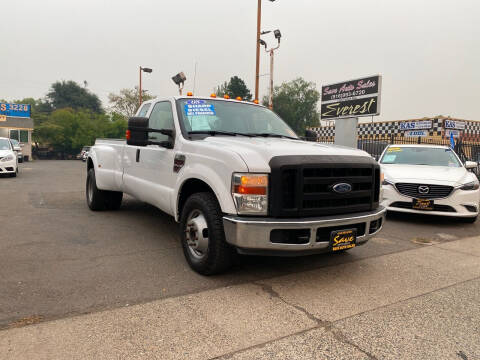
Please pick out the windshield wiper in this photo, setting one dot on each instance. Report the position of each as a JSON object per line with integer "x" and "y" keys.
{"x": 216, "y": 132}
{"x": 273, "y": 135}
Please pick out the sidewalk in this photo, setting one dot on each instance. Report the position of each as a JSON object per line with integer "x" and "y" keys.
{"x": 417, "y": 304}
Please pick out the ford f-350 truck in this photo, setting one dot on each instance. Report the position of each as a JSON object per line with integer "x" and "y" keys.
{"x": 238, "y": 180}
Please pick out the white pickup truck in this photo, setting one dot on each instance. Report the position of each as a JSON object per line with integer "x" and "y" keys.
{"x": 238, "y": 180}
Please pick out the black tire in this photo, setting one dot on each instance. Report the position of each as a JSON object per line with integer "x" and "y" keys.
{"x": 101, "y": 199}
{"x": 218, "y": 256}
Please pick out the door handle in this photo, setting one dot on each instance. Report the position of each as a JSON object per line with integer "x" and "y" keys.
{"x": 138, "y": 155}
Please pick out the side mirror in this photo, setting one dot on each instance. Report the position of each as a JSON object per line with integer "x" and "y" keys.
{"x": 137, "y": 131}
{"x": 471, "y": 164}
{"x": 311, "y": 135}
{"x": 17, "y": 148}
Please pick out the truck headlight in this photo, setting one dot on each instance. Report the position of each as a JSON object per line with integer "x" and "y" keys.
{"x": 250, "y": 193}
{"x": 9, "y": 157}
{"x": 473, "y": 185}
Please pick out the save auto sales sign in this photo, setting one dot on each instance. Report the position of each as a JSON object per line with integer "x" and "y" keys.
{"x": 354, "y": 98}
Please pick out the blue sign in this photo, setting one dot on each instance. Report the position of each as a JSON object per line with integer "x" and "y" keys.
{"x": 199, "y": 108}
{"x": 15, "y": 110}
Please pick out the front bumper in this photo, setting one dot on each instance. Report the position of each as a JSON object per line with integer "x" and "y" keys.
{"x": 8, "y": 167}
{"x": 456, "y": 204}
{"x": 253, "y": 235}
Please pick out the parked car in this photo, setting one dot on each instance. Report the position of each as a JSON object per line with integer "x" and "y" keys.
{"x": 8, "y": 158}
{"x": 83, "y": 153}
{"x": 238, "y": 180}
{"x": 17, "y": 148}
{"x": 429, "y": 179}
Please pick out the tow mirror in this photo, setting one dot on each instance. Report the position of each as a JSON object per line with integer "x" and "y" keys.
{"x": 471, "y": 164}
{"x": 137, "y": 133}
{"x": 311, "y": 135}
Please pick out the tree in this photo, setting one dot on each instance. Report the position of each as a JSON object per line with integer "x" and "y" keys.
{"x": 127, "y": 101}
{"x": 296, "y": 103}
{"x": 67, "y": 130}
{"x": 234, "y": 88}
{"x": 68, "y": 94}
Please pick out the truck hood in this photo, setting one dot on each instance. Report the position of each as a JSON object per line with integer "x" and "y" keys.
{"x": 258, "y": 151}
{"x": 427, "y": 174}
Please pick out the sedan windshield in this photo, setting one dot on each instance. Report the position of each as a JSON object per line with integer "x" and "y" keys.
{"x": 420, "y": 156}
{"x": 217, "y": 117}
{"x": 5, "y": 144}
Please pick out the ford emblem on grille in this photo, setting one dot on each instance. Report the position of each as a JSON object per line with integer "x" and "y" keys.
{"x": 423, "y": 189}
{"x": 342, "y": 188}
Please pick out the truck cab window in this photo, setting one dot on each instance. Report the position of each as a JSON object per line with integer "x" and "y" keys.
{"x": 160, "y": 118}
{"x": 143, "y": 111}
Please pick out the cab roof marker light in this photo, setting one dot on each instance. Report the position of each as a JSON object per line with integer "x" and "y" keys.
{"x": 226, "y": 96}
{"x": 239, "y": 98}
{"x": 213, "y": 95}
{"x": 255, "y": 101}
{"x": 189, "y": 93}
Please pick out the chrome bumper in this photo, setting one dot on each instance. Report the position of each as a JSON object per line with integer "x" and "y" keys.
{"x": 254, "y": 233}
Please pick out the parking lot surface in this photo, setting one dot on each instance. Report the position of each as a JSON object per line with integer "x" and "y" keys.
{"x": 59, "y": 260}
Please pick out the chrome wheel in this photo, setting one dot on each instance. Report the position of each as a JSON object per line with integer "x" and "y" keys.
{"x": 196, "y": 234}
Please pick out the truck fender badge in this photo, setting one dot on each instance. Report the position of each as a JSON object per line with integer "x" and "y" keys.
{"x": 342, "y": 188}
{"x": 178, "y": 162}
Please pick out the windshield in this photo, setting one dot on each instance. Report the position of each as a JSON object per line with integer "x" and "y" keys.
{"x": 5, "y": 144}
{"x": 420, "y": 156}
{"x": 226, "y": 116}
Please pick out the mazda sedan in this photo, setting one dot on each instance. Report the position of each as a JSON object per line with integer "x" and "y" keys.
{"x": 429, "y": 179}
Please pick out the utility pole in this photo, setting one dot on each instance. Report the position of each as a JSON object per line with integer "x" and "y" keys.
{"x": 257, "y": 69}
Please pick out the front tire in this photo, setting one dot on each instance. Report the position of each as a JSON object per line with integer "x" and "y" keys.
{"x": 101, "y": 199}
{"x": 203, "y": 237}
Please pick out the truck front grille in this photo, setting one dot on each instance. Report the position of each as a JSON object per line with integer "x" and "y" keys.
{"x": 305, "y": 188}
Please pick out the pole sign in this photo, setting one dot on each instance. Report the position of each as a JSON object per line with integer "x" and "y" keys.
{"x": 354, "y": 98}
{"x": 15, "y": 110}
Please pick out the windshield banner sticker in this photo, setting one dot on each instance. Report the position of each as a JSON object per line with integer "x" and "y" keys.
{"x": 389, "y": 158}
{"x": 199, "y": 108}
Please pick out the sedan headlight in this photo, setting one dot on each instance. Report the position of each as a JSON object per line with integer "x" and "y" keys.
{"x": 250, "y": 193}
{"x": 472, "y": 185}
{"x": 9, "y": 157}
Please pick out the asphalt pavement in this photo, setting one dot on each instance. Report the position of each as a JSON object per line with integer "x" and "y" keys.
{"x": 59, "y": 260}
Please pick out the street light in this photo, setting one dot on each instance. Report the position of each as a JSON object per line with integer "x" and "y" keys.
{"x": 278, "y": 36}
{"x": 147, "y": 70}
{"x": 257, "y": 68}
{"x": 179, "y": 79}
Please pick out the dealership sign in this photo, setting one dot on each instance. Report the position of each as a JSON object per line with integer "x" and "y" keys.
{"x": 354, "y": 98}
{"x": 451, "y": 132}
{"x": 15, "y": 110}
{"x": 451, "y": 124}
{"x": 416, "y": 125}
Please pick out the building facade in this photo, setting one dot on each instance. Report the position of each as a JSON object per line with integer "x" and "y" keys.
{"x": 435, "y": 128}
{"x": 17, "y": 127}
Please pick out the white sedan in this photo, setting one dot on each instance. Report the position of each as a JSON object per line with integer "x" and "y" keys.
{"x": 8, "y": 158}
{"x": 429, "y": 179}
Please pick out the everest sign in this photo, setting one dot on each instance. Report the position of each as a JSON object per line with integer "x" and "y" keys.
{"x": 354, "y": 98}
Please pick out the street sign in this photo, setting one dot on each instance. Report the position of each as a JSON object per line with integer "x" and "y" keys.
{"x": 15, "y": 110}
{"x": 354, "y": 98}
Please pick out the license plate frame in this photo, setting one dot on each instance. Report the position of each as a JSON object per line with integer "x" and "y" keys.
{"x": 343, "y": 239}
{"x": 423, "y": 204}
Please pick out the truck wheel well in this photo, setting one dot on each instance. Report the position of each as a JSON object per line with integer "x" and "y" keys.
{"x": 190, "y": 187}
{"x": 89, "y": 164}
